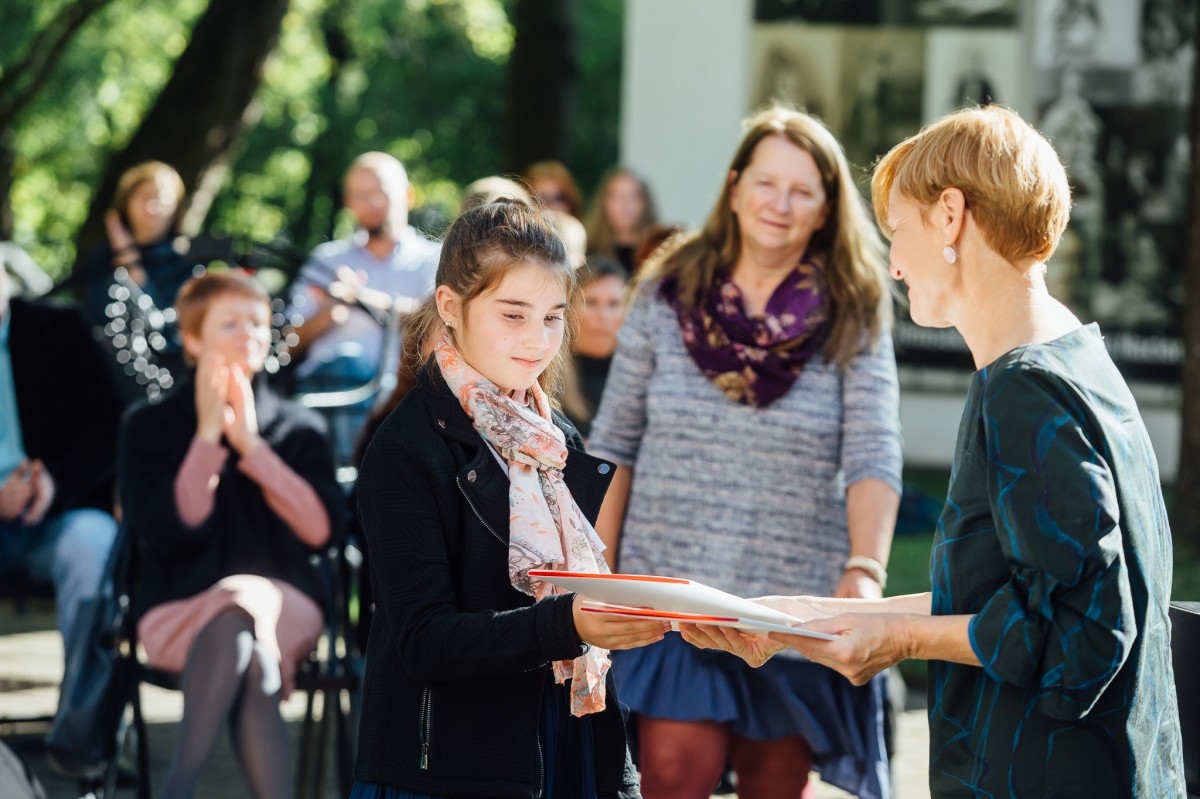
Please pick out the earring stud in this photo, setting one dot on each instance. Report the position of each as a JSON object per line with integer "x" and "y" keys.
{"x": 950, "y": 254}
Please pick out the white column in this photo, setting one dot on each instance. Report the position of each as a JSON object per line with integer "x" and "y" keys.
{"x": 683, "y": 94}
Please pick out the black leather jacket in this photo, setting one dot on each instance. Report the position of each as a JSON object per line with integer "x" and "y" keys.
{"x": 457, "y": 658}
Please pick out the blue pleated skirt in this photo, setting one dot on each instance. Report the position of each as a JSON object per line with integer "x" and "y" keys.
{"x": 842, "y": 723}
{"x": 567, "y": 748}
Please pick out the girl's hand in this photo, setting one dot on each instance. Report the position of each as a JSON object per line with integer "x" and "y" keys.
{"x": 212, "y": 392}
{"x": 241, "y": 423}
{"x": 615, "y": 632}
{"x": 753, "y": 648}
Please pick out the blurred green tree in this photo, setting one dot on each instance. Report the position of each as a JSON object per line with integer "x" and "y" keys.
{"x": 422, "y": 79}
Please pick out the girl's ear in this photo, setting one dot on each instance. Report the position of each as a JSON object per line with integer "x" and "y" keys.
{"x": 449, "y": 305}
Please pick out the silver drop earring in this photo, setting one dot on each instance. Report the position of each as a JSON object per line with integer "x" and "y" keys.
{"x": 949, "y": 253}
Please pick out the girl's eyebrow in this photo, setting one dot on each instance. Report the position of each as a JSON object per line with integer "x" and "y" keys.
{"x": 523, "y": 304}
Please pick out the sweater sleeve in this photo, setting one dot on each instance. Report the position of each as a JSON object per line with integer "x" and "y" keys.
{"x": 1063, "y": 624}
{"x": 871, "y": 444}
{"x": 621, "y": 419}
{"x": 289, "y": 495}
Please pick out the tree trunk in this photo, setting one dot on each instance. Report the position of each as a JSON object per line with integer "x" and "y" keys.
{"x": 542, "y": 73}
{"x": 1186, "y": 521}
{"x": 201, "y": 112}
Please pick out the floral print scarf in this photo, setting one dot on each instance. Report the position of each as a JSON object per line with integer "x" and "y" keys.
{"x": 755, "y": 360}
{"x": 546, "y": 529}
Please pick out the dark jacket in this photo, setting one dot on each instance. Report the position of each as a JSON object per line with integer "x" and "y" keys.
{"x": 242, "y": 535}
{"x": 67, "y": 402}
{"x": 457, "y": 659}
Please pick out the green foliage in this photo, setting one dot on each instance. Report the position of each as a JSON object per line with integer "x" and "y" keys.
{"x": 422, "y": 79}
{"x": 106, "y": 81}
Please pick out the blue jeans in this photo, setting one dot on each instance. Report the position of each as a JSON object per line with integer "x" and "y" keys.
{"x": 67, "y": 551}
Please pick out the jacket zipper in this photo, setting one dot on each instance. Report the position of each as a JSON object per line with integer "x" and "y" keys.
{"x": 538, "y": 735}
{"x": 426, "y": 723}
{"x": 471, "y": 505}
{"x": 541, "y": 758}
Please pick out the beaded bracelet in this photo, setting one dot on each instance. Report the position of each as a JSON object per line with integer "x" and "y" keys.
{"x": 872, "y": 567}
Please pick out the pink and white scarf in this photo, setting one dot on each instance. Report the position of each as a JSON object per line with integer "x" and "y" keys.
{"x": 546, "y": 529}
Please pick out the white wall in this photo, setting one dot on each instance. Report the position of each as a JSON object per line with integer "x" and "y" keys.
{"x": 684, "y": 93}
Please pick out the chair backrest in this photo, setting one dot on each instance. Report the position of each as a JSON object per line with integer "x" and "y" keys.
{"x": 1185, "y": 654}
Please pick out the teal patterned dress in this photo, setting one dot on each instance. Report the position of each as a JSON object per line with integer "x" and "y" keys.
{"x": 1055, "y": 537}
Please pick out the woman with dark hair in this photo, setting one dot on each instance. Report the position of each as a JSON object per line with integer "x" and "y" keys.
{"x": 752, "y": 409}
{"x": 228, "y": 491}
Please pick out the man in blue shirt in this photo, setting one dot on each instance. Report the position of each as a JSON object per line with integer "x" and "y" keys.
{"x": 387, "y": 265}
{"x": 59, "y": 412}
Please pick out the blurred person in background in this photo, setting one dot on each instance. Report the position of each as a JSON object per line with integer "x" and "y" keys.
{"x": 489, "y": 189}
{"x": 752, "y": 409}
{"x": 573, "y": 234}
{"x": 622, "y": 212}
{"x": 655, "y": 236}
{"x": 228, "y": 491}
{"x": 350, "y": 288}
{"x": 143, "y": 227}
{"x": 59, "y": 414}
{"x": 604, "y": 293}
{"x": 553, "y": 187}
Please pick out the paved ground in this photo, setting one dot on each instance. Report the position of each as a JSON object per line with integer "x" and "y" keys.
{"x": 31, "y": 666}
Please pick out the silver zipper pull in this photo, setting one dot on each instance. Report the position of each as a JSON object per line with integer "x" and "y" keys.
{"x": 424, "y": 757}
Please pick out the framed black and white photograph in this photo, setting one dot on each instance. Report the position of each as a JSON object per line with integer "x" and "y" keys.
{"x": 969, "y": 67}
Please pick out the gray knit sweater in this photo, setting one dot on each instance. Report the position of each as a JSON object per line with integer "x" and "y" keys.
{"x": 748, "y": 500}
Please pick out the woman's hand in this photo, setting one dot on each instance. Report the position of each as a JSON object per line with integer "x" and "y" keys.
{"x": 754, "y": 649}
{"x": 804, "y": 608}
{"x": 241, "y": 423}
{"x": 615, "y": 632}
{"x": 866, "y": 643}
{"x": 857, "y": 584}
{"x": 212, "y": 392}
{"x": 125, "y": 251}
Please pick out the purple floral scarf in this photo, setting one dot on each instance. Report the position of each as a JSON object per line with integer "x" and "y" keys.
{"x": 755, "y": 360}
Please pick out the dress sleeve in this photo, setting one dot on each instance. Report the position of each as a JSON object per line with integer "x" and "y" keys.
{"x": 1063, "y": 623}
{"x": 288, "y": 494}
{"x": 871, "y": 445}
{"x": 197, "y": 480}
{"x": 621, "y": 419}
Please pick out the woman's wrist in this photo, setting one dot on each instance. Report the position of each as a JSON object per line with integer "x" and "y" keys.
{"x": 869, "y": 566}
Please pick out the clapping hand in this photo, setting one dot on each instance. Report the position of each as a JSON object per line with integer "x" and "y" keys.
{"x": 212, "y": 393}
{"x": 241, "y": 421}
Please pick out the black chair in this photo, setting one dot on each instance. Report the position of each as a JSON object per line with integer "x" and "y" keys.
{"x": 330, "y": 671}
{"x": 1185, "y": 654}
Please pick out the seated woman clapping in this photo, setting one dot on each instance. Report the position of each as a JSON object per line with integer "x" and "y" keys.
{"x": 228, "y": 490}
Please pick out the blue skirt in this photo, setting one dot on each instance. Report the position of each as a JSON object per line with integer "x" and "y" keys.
{"x": 568, "y": 751}
{"x": 842, "y": 723}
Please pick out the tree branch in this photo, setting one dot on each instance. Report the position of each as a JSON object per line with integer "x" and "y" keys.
{"x": 41, "y": 58}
